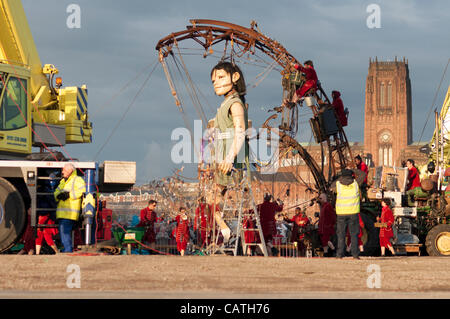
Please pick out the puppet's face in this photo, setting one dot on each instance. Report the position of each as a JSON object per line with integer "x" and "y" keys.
{"x": 223, "y": 81}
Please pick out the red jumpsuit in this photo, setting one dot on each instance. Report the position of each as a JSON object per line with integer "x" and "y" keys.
{"x": 46, "y": 233}
{"x": 148, "y": 219}
{"x": 386, "y": 233}
{"x": 327, "y": 220}
{"x": 250, "y": 236}
{"x": 77, "y": 238}
{"x": 28, "y": 237}
{"x": 311, "y": 80}
{"x": 182, "y": 232}
{"x": 267, "y": 212}
{"x": 203, "y": 221}
{"x": 413, "y": 178}
{"x": 339, "y": 107}
{"x": 299, "y": 222}
{"x": 362, "y": 166}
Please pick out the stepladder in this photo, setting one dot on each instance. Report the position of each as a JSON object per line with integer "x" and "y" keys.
{"x": 238, "y": 222}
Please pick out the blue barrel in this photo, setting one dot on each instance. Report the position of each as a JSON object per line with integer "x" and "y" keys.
{"x": 89, "y": 179}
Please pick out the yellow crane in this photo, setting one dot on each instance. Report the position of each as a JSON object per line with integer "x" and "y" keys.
{"x": 32, "y": 99}
{"x": 36, "y": 111}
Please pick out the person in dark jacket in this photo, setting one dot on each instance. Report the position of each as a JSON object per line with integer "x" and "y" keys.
{"x": 327, "y": 223}
{"x": 338, "y": 106}
{"x": 267, "y": 211}
{"x": 148, "y": 219}
{"x": 362, "y": 166}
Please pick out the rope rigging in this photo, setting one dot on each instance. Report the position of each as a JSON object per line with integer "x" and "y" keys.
{"x": 434, "y": 100}
{"x": 243, "y": 45}
{"x": 125, "y": 112}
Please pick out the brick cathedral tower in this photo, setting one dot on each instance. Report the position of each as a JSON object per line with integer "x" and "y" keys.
{"x": 388, "y": 118}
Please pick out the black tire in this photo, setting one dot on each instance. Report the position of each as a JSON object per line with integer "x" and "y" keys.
{"x": 12, "y": 215}
{"x": 437, "y": 240}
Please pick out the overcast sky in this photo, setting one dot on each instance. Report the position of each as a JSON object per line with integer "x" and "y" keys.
{"x": 116, "y": 43}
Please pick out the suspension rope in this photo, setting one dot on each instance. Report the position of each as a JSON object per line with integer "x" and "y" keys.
{"x": 191, "y": 93}
{"x": 434, "y": 101}
{"x": 125, "y": 112}
{"x": 202, "y": 113}
{"x": 264, "y": 73}
{"x": 122, "y": 89}
{"x": 178, "y": 101}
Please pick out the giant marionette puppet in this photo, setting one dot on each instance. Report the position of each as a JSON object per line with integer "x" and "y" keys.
{"x": 230, "y": 124}
{"x": 245, "y": 45}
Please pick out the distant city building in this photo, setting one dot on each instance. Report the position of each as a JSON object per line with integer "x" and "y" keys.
{"x": 388, "y": 113}
{"x": 138, "y": 197}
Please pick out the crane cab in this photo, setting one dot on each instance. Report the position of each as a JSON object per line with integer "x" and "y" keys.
{"x": 25, "y": 122}
{"x": 15, "y": 112}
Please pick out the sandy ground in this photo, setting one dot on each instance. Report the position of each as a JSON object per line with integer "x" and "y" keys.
{"x": 160, "y": 277}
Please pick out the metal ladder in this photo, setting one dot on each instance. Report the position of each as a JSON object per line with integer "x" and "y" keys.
{"x": 245, "y": 207}
{"x": 45, "y": 201}
{"x": 253, "y": 214}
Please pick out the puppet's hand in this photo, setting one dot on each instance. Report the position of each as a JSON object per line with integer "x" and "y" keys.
{"x": 225, "y": 167}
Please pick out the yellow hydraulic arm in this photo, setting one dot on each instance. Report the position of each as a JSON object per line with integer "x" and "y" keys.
{"x": 441, "y": 136}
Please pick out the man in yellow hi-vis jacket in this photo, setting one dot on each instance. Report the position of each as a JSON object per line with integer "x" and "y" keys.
{"x": 68, "y": 195}
{"x": 347, "y": 210}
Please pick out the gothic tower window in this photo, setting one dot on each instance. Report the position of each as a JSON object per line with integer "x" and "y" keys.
{"x": 389, "y": 94}
{"x": 385, "y": 156}
{"x": 382, "y": 94}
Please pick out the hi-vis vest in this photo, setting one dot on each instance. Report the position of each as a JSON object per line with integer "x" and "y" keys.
{"x": 70, "y": 208}
{"x": 347, "y": 200}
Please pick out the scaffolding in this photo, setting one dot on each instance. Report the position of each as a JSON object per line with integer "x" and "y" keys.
{"x": 237, "y": 205}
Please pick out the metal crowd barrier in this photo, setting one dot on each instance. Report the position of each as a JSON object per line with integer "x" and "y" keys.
{"x": 285, "y": 248}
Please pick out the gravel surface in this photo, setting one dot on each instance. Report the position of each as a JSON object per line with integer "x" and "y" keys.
{"x": 137, "y": 276}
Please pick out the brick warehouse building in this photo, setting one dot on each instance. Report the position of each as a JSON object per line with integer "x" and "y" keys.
{"x": 387, "y": 135}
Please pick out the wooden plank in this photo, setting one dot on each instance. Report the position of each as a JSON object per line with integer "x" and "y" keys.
{"x": 408, "y": 248}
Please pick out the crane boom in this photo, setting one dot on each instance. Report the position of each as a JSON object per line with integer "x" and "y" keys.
{"x": 33, "y": 112}
{"x": 17, "y": 44}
